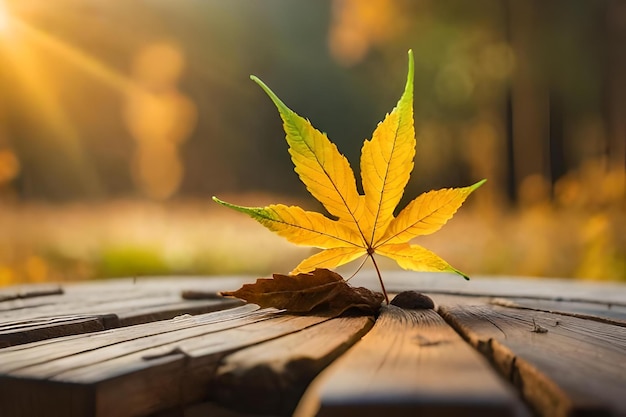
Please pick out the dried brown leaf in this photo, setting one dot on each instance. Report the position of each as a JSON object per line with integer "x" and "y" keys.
{"x": 321, "y": 291}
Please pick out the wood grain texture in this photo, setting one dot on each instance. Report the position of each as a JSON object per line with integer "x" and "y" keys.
{"x": 28, "y": 291}
{"x": 604, "y": 312}
{"x": 48, "y": 353}
{"x": 563, "y": 365}
{"x": 537, "y": 288}
{"x": 568, "y": 362}
{"x": 78, "y": 310}
{"x": 395, "y": 281}
{"x": 272, "y": 376}
{"x": 410, "y": 363}
{"x": 31, "y": 383}
{"x": 16, "y": 333}
{"x": 134, "y": 370}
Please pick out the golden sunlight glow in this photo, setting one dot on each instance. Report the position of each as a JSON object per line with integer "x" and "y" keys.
{"x": 44, "y": 101}
{"x": 4, "y": 18}
{"x": 25, "y": 52}
{"x": 81, "y": 60}
{"x": 158, "y": 115}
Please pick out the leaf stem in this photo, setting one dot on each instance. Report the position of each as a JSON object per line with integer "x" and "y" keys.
{"x": 380, "y": 278}
{"x": 357, "y": 270}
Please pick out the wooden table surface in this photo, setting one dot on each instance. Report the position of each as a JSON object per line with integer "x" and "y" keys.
{"x": 172, "y": 347}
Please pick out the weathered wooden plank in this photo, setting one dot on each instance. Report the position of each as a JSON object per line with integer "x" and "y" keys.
{"x": 30, "y": 291}
{"x": 94, "y": 304}
{"x": 396, "y": 281}
{"x": 105, "y": 291}
{"x": 65, "y": 300}
{"x": 98, "y": 345}
{"x": 21, "y": 382}
{"x": 180, "y": 377}
{"x": 89, "y": 308}
{"x": 169, "y": 284}
{"x": 171, "y": 370}
{"x": 410, "y": 363}
{"x": 538, "y": 288}
{"x": 272, "y": 376}
{"x": 563, "y": 366}
{"x": 34, "y": 330}
{"x": 604, "y": 312}
{"x": 135, "y": 370}
{"x": 99, "y": 318}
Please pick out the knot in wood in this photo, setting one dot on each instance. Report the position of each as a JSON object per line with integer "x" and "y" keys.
{"x": 413, "y": 300}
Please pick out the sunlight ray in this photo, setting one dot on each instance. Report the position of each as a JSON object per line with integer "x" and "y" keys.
{"x": 75, "y": 56}
{"x": 40, "y": 98}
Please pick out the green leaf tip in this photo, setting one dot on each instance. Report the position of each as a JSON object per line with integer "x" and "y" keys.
{"x": 225, "y": 204}
{"x": 411, "y": 73}
{"x": 222, "y": 202}
{"x": 478, "y": 184}
{"x": 456, "y": 271}
{"x": 407, "y": 95}
{"x": 218, "y": 201}
{"x": 282, "y": 107}
{"x": 250, "y": 211}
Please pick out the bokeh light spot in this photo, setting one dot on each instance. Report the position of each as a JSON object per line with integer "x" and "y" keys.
{"x": 454, "y": 85}
{"x": 5, "y": 22}
{"x": 9, "y": 166}
{"x": 160, "y": 118}
{"x": 498, "y": 60}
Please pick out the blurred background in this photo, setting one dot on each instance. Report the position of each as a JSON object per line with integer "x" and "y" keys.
{"x": 120, "y": 119}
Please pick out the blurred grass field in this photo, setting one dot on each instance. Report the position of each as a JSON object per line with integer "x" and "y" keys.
{"x": 68, "y": 242}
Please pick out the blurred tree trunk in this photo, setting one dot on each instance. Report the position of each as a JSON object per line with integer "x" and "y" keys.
{"x": 615, "y": 83}
{"x": 529, "y": 99}
{"x": 558, "y": 166}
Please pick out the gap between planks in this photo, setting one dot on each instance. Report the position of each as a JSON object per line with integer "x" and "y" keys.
{"x": 148, "y": 368}
{"x": 271, "y": 377}
{"x": 563, "y": 365}
{"x": 412, "y": 362}
{"x": 602, "y": 312}
{"x": 82, "y": 310}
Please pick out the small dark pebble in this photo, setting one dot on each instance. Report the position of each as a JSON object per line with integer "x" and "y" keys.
{"x": 413, "y": 300}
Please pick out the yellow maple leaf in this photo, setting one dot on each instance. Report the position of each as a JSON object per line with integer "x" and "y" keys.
{"x": 363, "y": 224}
